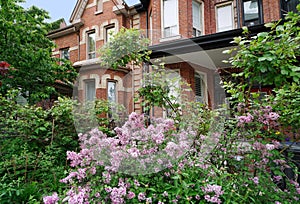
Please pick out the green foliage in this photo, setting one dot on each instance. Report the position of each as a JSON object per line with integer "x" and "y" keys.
{"x": 126, "y": 46}
{"x": 56, "y": 24}
{"x": 287, "y": 103}
{"x": 164, "y": 88}
{"x": 26, "y": 48}
{"x": 99, "y": 113}
{"x": 33, "y": 143}
{"x": 269, "y": 58}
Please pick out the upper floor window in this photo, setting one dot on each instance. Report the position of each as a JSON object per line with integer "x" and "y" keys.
{"x": 65, "y": 54}
{"x": 91, "y": 45}
{"x": 197, "y": 19}
{"x": 99, "y": 6}
{"x": 109, "y": 32}
{"x": 170, "y": 18}
{"x": 252, "y": 12}
{"x": 224, "y": 17}
{"x": 90, "y": 90}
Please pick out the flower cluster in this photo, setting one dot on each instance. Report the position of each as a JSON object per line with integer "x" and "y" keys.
{"x": 212, "y": 193}
{"x": 51, "y": 199}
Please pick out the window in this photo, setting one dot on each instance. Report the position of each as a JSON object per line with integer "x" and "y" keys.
{"x": 109, "y": 32}
{"x": 65, "y": 54}
{"x": 224, "y": 18}
{"x": 199, "y": 88}
{"x": 99, "y": 6}
{"x": 173, "y": 80}
{"x": 91, "y": 45}
{"x": 151, "y": 26}
{"x": 111, "y": 91}
{"x": 289, "y": 5}
{"x": 252, "y": 12}
{"x": 170, "y": 18}
{"x": 90, "y": 90}
{"x": 197, "y": 19}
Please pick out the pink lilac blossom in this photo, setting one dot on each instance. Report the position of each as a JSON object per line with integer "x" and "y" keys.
{"x": 79, "y": 197}
{"x": 273, "y": 116}
{"x": 51, "y": 199}
{"x": 165, "y": 194}
{"x": 216, "y": 190}
{"x": 245, "y": 119}
{"x": 130, "y": 195}
{"x": 149, "y": 200}
{"x": 277, "y": 178}
{"x": 142, "y": 196}
{"x": 136, "y": 183}
{"x": 174, "y": 201}
{"x": 134, "y": 152}
{"x": 213, "y": 199}
{"x": 107, "y": 177}
{"x": 255, "y": 180}
{"x": 270, "y": 146}
{"x": 117, "y": 195}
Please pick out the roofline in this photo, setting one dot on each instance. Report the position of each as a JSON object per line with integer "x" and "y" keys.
{"x": 65, "y": 30}
{"x": 205, "y": 42}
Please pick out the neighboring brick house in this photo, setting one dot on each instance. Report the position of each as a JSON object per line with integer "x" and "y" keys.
{"x": 189, "y": 35}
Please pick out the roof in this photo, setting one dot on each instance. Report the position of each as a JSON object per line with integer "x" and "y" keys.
{"x": 205, "y": 42}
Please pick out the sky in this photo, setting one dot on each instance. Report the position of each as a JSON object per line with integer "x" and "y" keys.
{"x": 60, "y": 8}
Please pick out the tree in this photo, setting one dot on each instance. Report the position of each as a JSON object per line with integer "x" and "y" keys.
{"x": 270, "y": 59}
{"x": 126, "y": 46}
{"x": 25, "y": 46}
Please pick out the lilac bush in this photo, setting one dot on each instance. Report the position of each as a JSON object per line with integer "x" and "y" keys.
{"x": 160, "y": 163}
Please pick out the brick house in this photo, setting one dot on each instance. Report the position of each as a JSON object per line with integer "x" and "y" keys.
{"x": 188, "y": 35}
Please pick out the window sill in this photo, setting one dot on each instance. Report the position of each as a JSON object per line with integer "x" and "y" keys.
{"x": 98, "y": 12}
{"x": 175, "y": 37}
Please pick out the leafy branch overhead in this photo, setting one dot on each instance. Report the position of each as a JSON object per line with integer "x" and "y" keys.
{"x": 126, "y": 46}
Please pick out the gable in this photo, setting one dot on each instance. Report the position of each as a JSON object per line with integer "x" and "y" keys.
{"x": 78, "y": 10}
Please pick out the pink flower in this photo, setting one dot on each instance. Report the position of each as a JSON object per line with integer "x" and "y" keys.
{"x": 130, "y": 195}
{"x": 270, "y": 146}
{"x": 277, "y": 178}
{"x": 273, "y": 116}
{"x": 51, "y": 199}
{"x": 255, "y": 180}
{"x": 142, "y": 196}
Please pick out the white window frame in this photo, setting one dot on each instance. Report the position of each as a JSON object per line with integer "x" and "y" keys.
{"x": 88, "y": 44}
{"x": 203, "y": 77}
{"x": 115, "y": 91}
{"x": 162, "y": 20}
{"x": 178, "y": 85}
{"x": 61, "y": 55}
{"x": 86, "y": 87}
{"x": 232, "y": 16}
{"x": 107, "y": 30}
{"x": 99, "y": 6}
{"x": 151, "y": 26}
{"x": 201, "y": 29}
